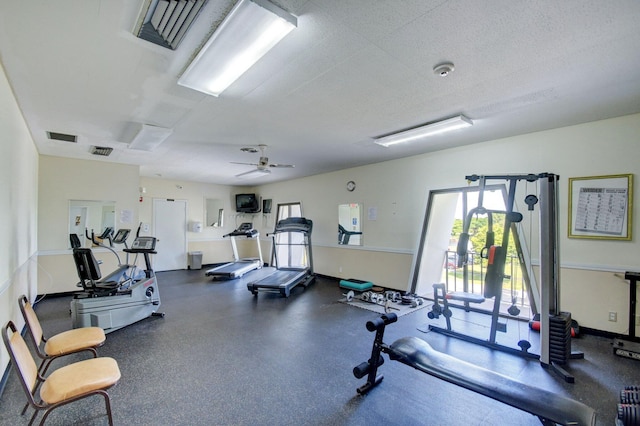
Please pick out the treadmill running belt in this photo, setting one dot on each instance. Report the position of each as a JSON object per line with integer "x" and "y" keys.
{"x": 280, "y": 277}
{"x": 282, "y": 281}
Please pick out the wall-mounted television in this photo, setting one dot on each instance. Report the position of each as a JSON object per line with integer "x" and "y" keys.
{"x": 247, "y": 203}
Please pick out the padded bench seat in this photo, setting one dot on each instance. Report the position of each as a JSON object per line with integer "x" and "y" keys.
{"x": 546, "y": 405}
{"x": 465, "y": 297}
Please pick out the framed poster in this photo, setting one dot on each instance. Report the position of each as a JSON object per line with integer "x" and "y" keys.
{"x": 600, "y": 207}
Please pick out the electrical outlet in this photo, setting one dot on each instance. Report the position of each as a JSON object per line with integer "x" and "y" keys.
{"x": 613, "y": 316}
{"x": 340, "y": 269}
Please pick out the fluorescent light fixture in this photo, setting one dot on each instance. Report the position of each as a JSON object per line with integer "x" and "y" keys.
{"x": 149, "y": 137}
{"x": 255, "y": 173}
{"x": 250, "y": 30}
{"x": 416, "y": 133}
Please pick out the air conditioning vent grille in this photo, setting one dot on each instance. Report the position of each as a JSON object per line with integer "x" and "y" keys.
{"x": 62, "y": 137}
{"x": 165, "y": 22}
{"x": 104, "y": 151}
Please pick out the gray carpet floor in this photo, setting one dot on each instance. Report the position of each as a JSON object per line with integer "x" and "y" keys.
{"x": 221, "y": 356}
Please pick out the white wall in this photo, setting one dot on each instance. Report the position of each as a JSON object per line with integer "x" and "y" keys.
{"x": 65, "y": 179}
{"x": 18, "y": 211}
{"x": 214, "y": 248}
{"x": 399, "y": 189}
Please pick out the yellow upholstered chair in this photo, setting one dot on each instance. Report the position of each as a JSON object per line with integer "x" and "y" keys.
{"x": 64, "y": 385}
{"x": 65, "y": 343}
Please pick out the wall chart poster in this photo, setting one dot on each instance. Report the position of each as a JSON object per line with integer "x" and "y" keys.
{"x": 600, "y": 207}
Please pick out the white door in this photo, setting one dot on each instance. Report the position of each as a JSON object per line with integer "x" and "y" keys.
{"x": 170, "y": 230}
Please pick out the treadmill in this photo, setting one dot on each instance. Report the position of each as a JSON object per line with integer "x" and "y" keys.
{"x": 290, "y": 232}
{"x": 238, "y": 267}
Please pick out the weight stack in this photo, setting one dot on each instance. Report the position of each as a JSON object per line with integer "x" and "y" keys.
{"x": 629, "y": 407}
{"x": 630, "y": 395}
{"x": 560, "y": 337}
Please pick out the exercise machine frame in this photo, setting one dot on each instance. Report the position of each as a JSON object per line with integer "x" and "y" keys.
{"x": 239, "y": 267}
{"x": 549, "y": 407}
{"x": 114, "y": 304}
{"x": 555, "y": 330}
{"x": 283, "y": 279}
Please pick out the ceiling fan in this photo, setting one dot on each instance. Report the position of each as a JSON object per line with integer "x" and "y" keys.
{"x": 262, "y": 166}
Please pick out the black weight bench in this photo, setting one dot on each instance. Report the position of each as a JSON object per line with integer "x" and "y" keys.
{"x": 549, "y": 407}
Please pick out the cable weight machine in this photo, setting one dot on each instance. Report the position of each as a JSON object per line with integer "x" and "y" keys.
{"x": 555, "y": 325}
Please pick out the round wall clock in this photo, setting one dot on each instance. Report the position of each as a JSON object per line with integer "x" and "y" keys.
{"x": 351, "y": 185}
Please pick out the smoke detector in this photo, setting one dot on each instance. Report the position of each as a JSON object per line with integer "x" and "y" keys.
{"x": 444, "y": 69}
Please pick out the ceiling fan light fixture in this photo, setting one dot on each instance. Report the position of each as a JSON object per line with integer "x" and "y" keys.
{"x": 250, "y": 30}
{"x": 421, "y": 132}
{"x": 253, "y": 174}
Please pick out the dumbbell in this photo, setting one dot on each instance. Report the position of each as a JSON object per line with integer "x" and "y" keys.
{"x": 415, "y": 302}
{"x": 350, "y": 295}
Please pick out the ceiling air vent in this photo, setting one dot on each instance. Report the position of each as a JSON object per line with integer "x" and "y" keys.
{"x": 62, "y": 137}
{"x": 165, "y": 22}
{"x": 105, "y": 151}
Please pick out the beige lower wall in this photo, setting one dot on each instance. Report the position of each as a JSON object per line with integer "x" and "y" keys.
{"x": 591, "y": 295}
{"x": 588, "y": 295}
{"x": 384, "y": 269}
{"x": 217, "y": 251}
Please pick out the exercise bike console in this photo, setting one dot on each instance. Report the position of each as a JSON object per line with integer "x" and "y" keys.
{"x": 143, "y": 245}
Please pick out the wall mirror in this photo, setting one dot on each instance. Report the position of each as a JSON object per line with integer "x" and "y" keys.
{"x": 90, "y": 215}
{"x": 214, "y": 212}
{"x": 350, "y": 224}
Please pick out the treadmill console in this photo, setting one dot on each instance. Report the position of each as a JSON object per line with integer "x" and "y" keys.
{"x": 144, "y": 244}
{"x": 246, "y": 226}
{"x": 244, "y": 230}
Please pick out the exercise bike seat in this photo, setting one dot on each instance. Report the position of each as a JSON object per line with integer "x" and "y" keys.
{"x": 547, "y": 405}
{"x": 89, "y": 272}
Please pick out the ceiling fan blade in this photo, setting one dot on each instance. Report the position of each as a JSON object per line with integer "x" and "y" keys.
{"x": 254, "y": 173}
{"x": 244, "y": 164}
{"x": 282, "y": 165}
